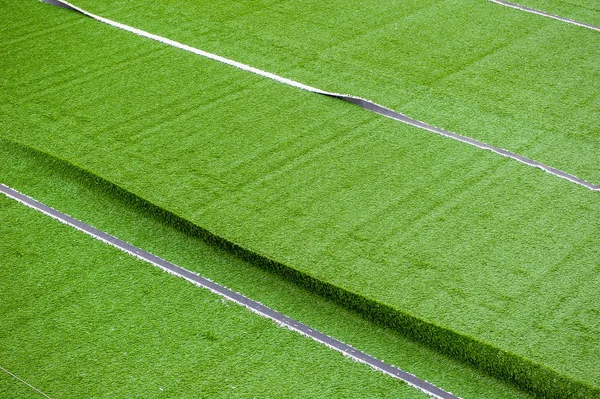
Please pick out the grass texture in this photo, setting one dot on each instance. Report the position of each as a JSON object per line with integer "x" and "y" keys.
{"x": 479, "y": 257}
{"x": 75, "y": 323}
{"x": 506, "y": 77}
{"x": 12, "y": 388}
{"x": 586, "y": 11}
{"x": 102, "y": 205}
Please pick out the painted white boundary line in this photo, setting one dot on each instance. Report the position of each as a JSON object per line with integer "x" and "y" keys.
{"x": 361, "y": 102}
{"x": 544, "y": 14}
{"x": 24, "y": 382}
{"x": 185, "y": 47}
{"x": 230, "y": 295}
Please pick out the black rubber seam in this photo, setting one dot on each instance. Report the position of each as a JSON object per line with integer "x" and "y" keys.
{"x": 361, "y": 102}
{"x": 230, "y": 295}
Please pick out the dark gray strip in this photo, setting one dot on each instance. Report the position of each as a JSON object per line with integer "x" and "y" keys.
{"x": 468, "y": 140}
{"x": 61, "y": 4}
{"x": 361, "y": 102}
{"x": 544, "y": 14}
{"x": 226, "y": 293}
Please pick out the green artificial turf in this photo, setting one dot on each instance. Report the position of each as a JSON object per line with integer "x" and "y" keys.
{"x": 81, "y": 319}
{"x": 94, "y": 202}
{"x": 429, "y": 229}
{"x": 586, "y": 11}
{"x": 509, "y": 78}
{"x": 12, "y": 388}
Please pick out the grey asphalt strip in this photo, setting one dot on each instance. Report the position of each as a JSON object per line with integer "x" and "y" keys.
{"x": 545, "y": 14}
{"x": 361, "y": 102}
{"x": 233, "y": 296}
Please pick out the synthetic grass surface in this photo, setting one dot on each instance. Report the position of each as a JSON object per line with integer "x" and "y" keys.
{"x": 586, "y": 11}
{"x": 74, "y": 193}
{"x": 506, "y": 77}
{"x": 81, "y": 319}
{"x": 427, "y": 226}
{"x": 12, "y": 388}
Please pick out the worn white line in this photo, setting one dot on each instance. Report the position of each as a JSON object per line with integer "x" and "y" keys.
{"x": 24, "y": 382}
{"x": 545, "y": 14}
{"x": 230, "y": 295}
{"x": 361, "y": 102}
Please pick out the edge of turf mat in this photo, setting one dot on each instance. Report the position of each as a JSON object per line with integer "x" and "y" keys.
{"x": 530, "y": 376}
{"x": 544, "y": 14}
{"x": 361, "y": 102}
{"x": 228, "y": 294}
{"x": 92, "y": 204}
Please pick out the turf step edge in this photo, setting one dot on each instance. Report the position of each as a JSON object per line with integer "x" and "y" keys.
{"x": 528, "y": 375}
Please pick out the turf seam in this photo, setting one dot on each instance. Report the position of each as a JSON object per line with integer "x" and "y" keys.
{"x": 24, "y": 382}
{"x": 545, "y": 14}
{"x": 254, "y": 306}
{"x": 361, "y": 102}
{"x": 528, "y": 375}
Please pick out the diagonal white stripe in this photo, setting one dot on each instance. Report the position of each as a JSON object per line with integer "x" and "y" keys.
{"x": 545, "y": 14}
{"x": 24, "y": 382}
{"x": 230, "y": 295}
{"x": 361, "y": 102}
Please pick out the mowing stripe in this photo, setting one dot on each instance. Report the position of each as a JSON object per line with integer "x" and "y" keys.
{"x": 230, "y": 295}
{"x": 544, "y": 14}
{"x": 361, "y": 102}
{"x": 24, "y": 382}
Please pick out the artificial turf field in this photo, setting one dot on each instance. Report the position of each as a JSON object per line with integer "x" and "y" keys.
{"x": 496, "y": 258}
{"x": 585, "y": 11}
{"x": 81, "y": 319}
{"x": 94, "y": 202}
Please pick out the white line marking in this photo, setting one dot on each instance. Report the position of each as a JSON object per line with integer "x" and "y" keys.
{"x": 544, "y": 14}
{"x": 361, "y": 102}
{"x": 25, "y": 382}
{"x": 230, "y": 295}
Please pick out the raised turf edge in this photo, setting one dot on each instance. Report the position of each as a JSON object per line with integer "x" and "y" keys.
{"x": 530, "y": 376}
